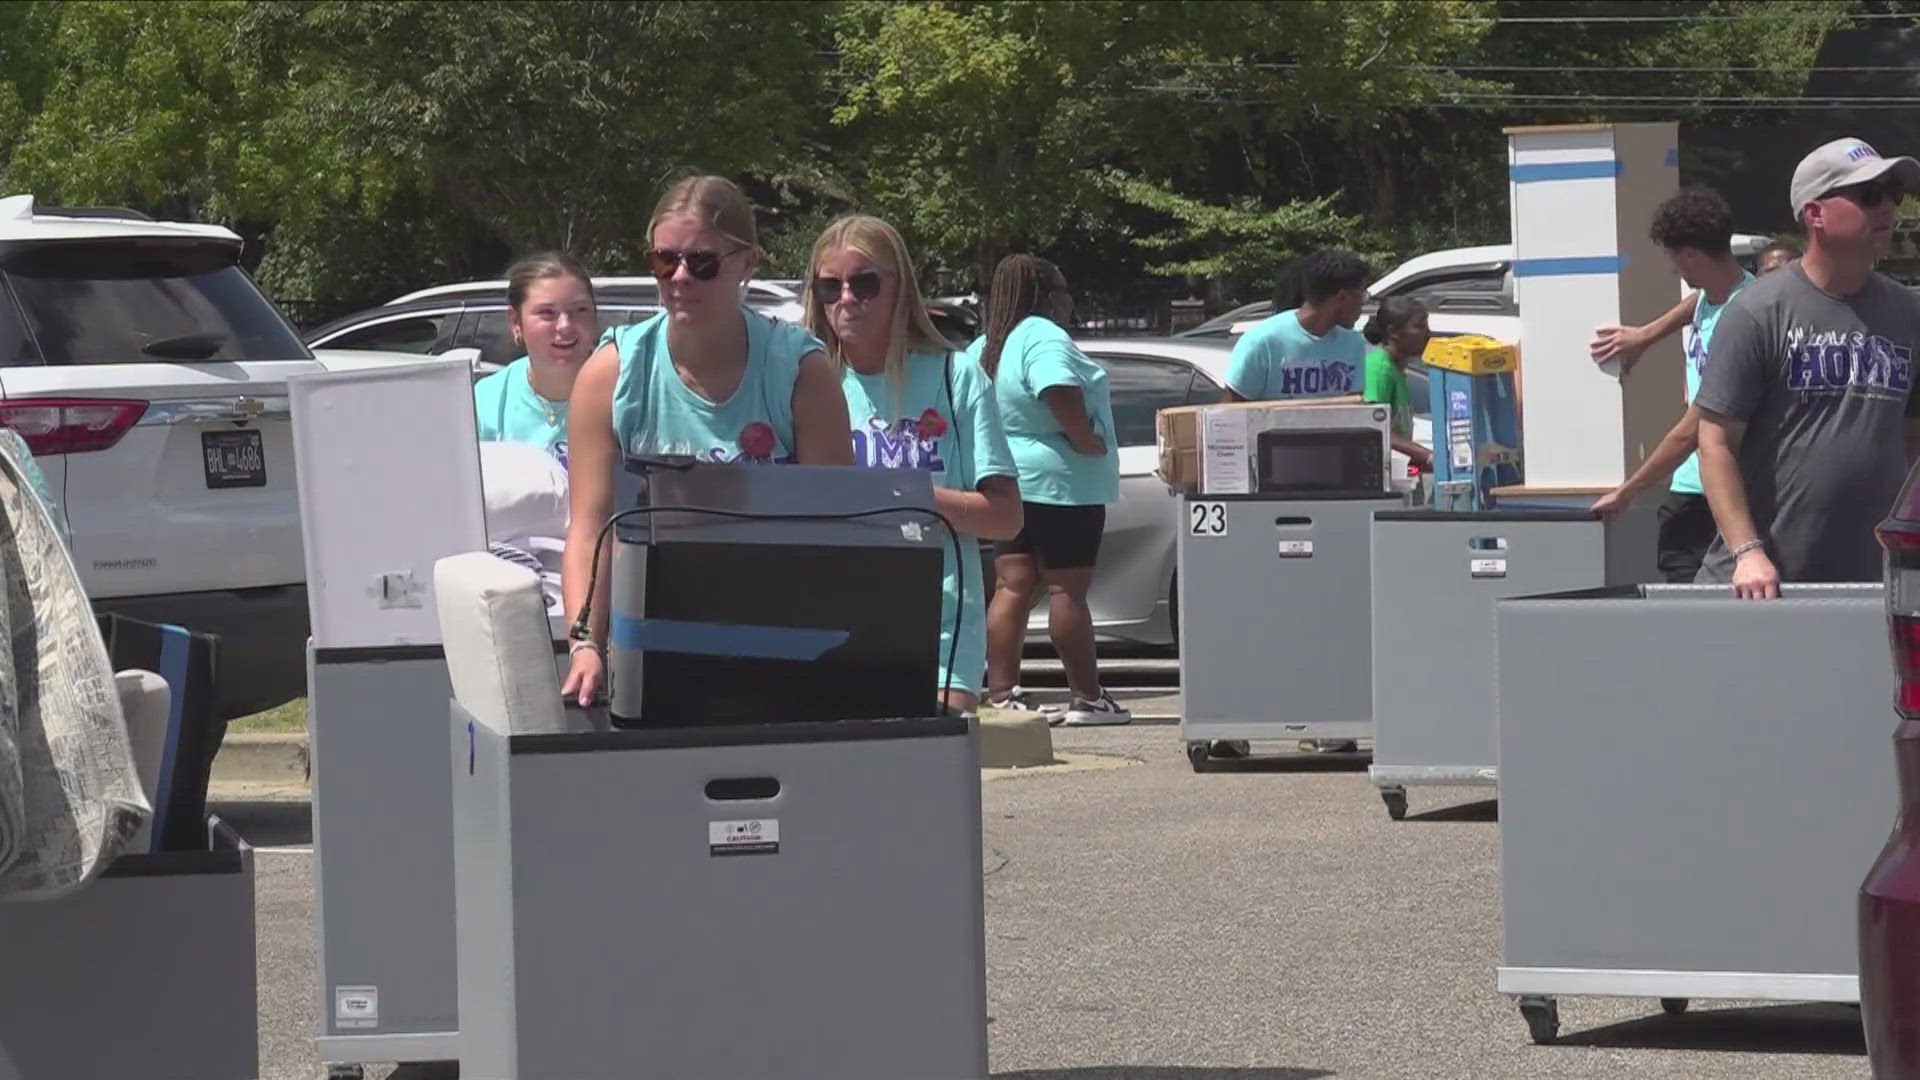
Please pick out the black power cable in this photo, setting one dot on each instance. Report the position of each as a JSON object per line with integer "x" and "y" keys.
{"x": 583, "y": 622}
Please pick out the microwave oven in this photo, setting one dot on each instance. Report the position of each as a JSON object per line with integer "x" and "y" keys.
{"x": 1317, "y": 459}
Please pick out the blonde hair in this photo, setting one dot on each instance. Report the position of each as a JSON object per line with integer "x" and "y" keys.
{"x": 881, "y": 244}
{"x": 714, "y": 201}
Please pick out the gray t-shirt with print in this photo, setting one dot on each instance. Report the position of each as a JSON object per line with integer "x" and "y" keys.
{"x": 1824, "y": 384}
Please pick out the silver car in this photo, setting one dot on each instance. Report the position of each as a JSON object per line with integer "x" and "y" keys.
{"x": 1134, "y": 579}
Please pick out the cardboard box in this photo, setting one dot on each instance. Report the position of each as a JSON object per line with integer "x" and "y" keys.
{"x": 1208, "y": 449}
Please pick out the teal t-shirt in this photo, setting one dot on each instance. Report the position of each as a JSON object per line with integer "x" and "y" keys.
{"x": 957, "y": 438}
{"x": 507, "y": 410}
{"x": 655, "y": 413}
{"x": 1279, "y": 359}
{"x": 1686, "y": 478}
{"x": 1038, "y": 354}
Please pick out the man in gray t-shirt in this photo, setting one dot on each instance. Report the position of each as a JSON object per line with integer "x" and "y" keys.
{"x": 1807, "y": 397}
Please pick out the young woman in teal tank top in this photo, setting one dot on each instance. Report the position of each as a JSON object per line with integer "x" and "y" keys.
{"x": 915, "y": 406}
{"x": 707, "y": 378}
{"x": 551, "y": 314}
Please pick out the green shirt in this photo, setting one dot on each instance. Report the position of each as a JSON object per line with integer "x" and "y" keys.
{"x": 1387, "y": 385}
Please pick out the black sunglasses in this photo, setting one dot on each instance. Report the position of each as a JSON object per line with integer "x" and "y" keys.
{"x": 1871, "y": 193}
{"x": 703, "y": 265}
{"x": 865, "y": 286}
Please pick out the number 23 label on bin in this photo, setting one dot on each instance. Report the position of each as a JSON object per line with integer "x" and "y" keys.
{"x": 1206, "y": 519}
{"x": 758, "y": 837}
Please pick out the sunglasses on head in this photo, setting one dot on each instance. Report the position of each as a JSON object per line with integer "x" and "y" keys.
{"x": 865, "y": 285}
{"x": 703, "y": 265}
{"x": 1871, "y": 193}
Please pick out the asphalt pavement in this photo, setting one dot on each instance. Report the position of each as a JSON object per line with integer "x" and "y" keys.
{"x": 1264, "y": 922}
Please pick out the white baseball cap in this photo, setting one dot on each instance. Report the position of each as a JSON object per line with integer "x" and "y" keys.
{"x": 1843, "y": 162}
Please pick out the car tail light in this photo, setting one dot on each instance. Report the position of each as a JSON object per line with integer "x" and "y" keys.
{"x": 70, "y": 426}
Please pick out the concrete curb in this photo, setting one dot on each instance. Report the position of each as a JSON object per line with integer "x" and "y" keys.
{"x": 1013, "y": 740}
{"x": 262, "y": 758}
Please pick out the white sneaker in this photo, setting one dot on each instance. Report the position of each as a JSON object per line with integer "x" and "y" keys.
{"x": 1016, "y": 701}
{"x": 1100, "y": 713}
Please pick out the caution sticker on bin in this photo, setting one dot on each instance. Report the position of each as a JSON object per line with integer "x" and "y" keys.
{"x": 760, "y": 836}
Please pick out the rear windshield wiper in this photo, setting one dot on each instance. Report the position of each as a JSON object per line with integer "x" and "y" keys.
{"x": 185, "y": 346}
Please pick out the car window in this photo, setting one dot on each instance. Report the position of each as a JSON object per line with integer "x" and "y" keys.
{"x": 487, "y": 330}
{"x": 1140, "y": 388}
{"x": 119, "y": 302}
{"x": 422, "y": 334}
{"x": 1203, "y": 391}
{"x": 1482, "y": 289}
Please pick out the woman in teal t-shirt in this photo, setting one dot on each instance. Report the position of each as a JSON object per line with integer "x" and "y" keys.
{"x": 913, "y": 407}
{"x": 1398, "y": 331}
{"x": 707, "y": 378}
{"x": 1058, "y": 415}
{"x": 551, "y": 314}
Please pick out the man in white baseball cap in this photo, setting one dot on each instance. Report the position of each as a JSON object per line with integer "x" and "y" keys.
{"x": 1806, "y": 402}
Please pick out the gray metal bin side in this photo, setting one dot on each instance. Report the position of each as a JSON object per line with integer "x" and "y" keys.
{"x": 147, "y": 971}
{"x": 1436, "y": 575}
{"x": 1692, "y": 787}
{"x": 1274, "y": 616}
{"x": 383, "y": 854}
{"x": 608, "y": 926}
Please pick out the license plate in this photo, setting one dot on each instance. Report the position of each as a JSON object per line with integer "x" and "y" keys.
{"x": 234, "y": 459}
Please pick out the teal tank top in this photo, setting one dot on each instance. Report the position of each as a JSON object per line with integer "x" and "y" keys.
{"x": 654, "y": 413}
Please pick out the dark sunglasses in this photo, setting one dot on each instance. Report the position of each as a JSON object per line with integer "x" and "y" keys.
{"x": 703, "y": 265}
{"x": 1872, "y": 193}
{"x": 865, "y": 286}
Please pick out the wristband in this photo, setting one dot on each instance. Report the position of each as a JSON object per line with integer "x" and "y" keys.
{"x": 582, "y": 643}
{"x": 1751, "y": 545}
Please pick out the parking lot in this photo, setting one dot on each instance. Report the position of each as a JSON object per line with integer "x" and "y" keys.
{"x": 1262, "y": 923}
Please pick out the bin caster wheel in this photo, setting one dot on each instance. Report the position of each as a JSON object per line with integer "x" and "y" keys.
{"x": 346, "y": 1072}
{"x": 1199, "y": 756}
{"x": 1542, "y": 1015}
{"x": 1396, "y": 800}
{"x": 1673, "y": 1006}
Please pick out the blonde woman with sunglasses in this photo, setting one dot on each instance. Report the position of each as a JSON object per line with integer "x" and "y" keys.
{"x": 707, "y": 378}
{"x": 913, "y": 406}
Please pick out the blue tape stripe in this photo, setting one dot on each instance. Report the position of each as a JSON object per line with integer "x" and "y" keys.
{"x": 174, "y": 642}
{"x": 725, "y": 639}
{"x": 1581, "y": 264}
{"x": 1564, "y": 170}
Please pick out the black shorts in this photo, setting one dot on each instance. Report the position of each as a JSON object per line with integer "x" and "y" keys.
{"x": 1686, "y": 532}
{"x": 1058, "y": 537}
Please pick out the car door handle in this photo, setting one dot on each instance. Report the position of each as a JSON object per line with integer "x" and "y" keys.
{"x": 223, "y": 410}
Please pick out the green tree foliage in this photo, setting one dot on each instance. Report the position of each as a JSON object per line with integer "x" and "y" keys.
{"x": 366, "y": 147}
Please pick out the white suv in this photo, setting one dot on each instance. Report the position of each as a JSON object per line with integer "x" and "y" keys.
{"x": 148, "y": 374}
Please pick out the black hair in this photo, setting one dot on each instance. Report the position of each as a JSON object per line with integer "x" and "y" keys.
{"x": 1328, "y": 271}
{"x": 1788, "y": 247}
{"x": 1697, "y": 218}
{"x": 1394, "y": 312}
{"x": 1289, "y": 288}
{"x": 1022, "y": 285}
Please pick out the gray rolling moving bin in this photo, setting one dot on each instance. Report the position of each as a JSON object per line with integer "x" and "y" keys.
{"x": 1275, "y": 621}
{"x": 383, "y": 855}
{"x": 1691, "y": 788}
{"x": 146, "y": 971}
{"x": 1436, "y": 575}
{"x": 799, "y": 900}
